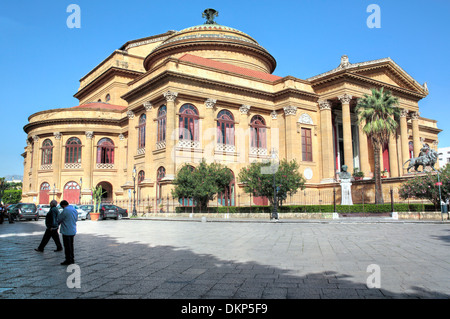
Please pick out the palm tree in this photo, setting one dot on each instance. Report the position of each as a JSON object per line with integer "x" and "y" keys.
{"x": 379, "y": 114}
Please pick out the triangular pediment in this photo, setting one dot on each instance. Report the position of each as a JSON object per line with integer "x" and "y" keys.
{"x": 382, "y": 70}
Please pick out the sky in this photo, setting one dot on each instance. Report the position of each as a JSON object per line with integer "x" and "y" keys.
{"x": 42, "y": 59}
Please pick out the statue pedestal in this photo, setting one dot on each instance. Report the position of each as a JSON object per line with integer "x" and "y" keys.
{"x": 346, "y": 192}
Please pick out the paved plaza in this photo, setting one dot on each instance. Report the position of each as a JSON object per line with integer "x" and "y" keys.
{"x": 232, "y": 259}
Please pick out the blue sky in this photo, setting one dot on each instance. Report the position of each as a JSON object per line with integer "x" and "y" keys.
{"x": 42, "y": 59}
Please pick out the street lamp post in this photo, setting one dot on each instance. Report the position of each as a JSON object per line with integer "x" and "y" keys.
{"x": 134, "y": 192}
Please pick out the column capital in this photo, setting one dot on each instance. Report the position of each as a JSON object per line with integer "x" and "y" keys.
{"x": 210, "y": 103}
{"x": 324, "y": 105}
{"x": 244, "y": 109}
{"x": 345, "y": 99}
{"x": 415, "y": 115}
{"x": 121, "y": 137}
{"x": 403, "y": 112}
{"x": 170, "y": 96}
{"x": 290, "y": 110}
{"x": 57, "y": 135}
{"x": 35, "y": 138}
{"x": 89, "y": 134}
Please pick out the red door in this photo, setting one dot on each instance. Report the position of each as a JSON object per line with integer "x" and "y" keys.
{"x": 72, "y": 192}
{"x": 44, "y": 193}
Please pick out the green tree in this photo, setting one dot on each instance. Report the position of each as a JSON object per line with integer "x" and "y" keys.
{"x": 424, "y": 186}
{"x": 12, "y": 196}
{"x": 258, "y": 179}
{"x": 201, "y": 183}
{"x": 379, "y": 114}
{"x": 3, "y": 187}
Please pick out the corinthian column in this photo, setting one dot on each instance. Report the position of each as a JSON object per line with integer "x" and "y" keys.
{"x": 291, "y": 131}
{"x": 347, "y": 131}
{"x": 404, "y": 138}
{"x": 171, "y": 134}
{"x": 393, "y": 159}
{"x": 326, "y": 133}
{"x": 57, "y": 160}
{"x": 416, "y": 134}
{"x": 88, "y": 162}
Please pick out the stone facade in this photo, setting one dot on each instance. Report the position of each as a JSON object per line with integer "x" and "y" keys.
{"x": 131, "y": 128}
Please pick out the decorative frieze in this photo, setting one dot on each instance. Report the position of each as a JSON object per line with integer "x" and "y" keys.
{"x": 345, "y": 99}
{"x": 244, "y": 109}
{"x": 141, "y": 151}
{"x": 324, "y": 105}
{"x": 170, "y": 96}
{"x": 210, "y": 103}
{"x": 46, "y": 167}
{"x": 290, "y": 110}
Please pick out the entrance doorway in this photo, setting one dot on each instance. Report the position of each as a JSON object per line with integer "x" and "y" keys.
{"x": 107, "y": 191}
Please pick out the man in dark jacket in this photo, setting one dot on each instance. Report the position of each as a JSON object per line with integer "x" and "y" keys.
{"x": 51, "y": 222}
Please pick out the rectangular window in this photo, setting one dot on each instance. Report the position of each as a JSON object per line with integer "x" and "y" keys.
{"x": 306, "y": 145}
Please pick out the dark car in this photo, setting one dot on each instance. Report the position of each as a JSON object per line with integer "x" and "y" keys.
{"x": 106, "y": 211}
{"x": 122, "y": 211}
{"x": 24, "y": 211}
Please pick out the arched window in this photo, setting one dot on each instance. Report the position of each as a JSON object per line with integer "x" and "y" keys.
{"x": 225, "y": 128}
{"x": 258, "y": 132}
{"x": 162, "y": 118}
{"x": 189, "y": 123}
{"x": 107, "y": 97}
{"x": 141, "y": 131}
{"x": 73, "y": 150}
{"x": 161, "y": 173}
{"x": 47, "y": 152}
{"x": 105, "y": 151}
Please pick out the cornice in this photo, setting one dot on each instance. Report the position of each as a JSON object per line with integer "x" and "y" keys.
{"x": 178, "y": 47}
{"x": 30, "y": 126}
{"x": 104, "y": 77}
{"x": 345, "y": 75}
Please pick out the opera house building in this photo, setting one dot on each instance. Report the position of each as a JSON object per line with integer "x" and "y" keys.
{"x": 210, "y": 92}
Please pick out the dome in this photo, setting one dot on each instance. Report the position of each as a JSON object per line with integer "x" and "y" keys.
{"x": 216, "y": 42}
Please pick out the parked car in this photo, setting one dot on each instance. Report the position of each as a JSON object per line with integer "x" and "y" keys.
{"x": 122, "y": 211}
{"x": 25, "y": 211}
{"x": 43, "y": 209}
{"x": 10, "y": 209}
{"x": 82, "y": 214}
{"x": 105, "y": 210}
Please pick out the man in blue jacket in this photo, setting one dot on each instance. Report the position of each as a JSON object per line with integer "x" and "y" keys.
{"x": 68, "y": 221}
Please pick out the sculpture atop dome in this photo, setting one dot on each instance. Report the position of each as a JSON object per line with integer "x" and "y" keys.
{"x": 209, "y": 14}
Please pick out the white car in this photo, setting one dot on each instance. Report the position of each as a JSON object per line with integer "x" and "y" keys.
{"x": 43, "y": 209}
{"x": 81, "y": 213}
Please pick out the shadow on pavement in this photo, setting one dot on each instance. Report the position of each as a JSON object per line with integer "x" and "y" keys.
{"x": 113, "y": 269}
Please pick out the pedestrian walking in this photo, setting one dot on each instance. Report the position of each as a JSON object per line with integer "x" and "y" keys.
{"x": 2, "y": 212}
{"x": 51, "y": 222}
{"x": 68, "y": 221}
